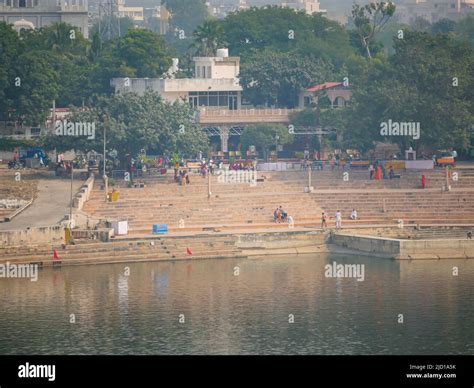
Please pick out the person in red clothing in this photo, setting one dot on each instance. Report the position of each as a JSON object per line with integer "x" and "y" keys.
{"x": 423, "y": 181}
{"x": 378, "y": 173}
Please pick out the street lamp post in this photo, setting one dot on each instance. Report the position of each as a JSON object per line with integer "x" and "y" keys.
{"x": 309, "y": 178}
{"x": 106, "y": 122}
{"x": 70, "y": 206}
{"x": 209, "y": 193}
{"x": 276, "y": 147}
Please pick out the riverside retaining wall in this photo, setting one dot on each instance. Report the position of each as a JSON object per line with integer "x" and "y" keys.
{"x": 406, "y": 249}
{"x": 33, "y": 236}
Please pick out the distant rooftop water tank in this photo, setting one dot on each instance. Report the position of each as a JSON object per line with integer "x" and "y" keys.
{"x": 222, "y": 53}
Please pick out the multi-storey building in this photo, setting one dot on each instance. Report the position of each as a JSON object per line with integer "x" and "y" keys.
{"x": 31, "y": 14}
{"x": 215, "y": 84}
{"x": 434, "y": 10}
{"x": 309, "y": 6}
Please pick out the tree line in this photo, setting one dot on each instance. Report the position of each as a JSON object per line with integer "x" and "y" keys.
{"x": 396, "y": 72}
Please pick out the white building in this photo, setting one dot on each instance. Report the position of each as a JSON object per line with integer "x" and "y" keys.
{"x": 434, "y": 10}
{"x": 215, "y": 84}
{"x": 134, "y": 13}
{"x": 309, "y": 6}
{"x": 161, "y": 14}
{"x": 31, "y": 14}
{"x": 220, "y": 9}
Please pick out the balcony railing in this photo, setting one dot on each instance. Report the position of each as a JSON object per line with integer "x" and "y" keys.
{"x": 275, "y": 115}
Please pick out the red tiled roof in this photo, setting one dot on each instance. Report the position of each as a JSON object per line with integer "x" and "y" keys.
{"x": 325, "y": 85}
{"x": 60, "y": 110}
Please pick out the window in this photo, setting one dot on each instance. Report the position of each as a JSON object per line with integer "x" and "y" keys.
{"x": 209, "y": 72}
{"x": 213, "y": 99}
{"x": 22, "y": 4}
{"x": 198, "y": 71}
{"x": 204, "y": 72}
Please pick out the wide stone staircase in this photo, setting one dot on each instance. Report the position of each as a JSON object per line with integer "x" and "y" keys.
{"x": 235, "y": 206}
{"x": 126, "y": 250}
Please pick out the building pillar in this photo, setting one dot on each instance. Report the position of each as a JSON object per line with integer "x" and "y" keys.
{"x": 224, "y": 134}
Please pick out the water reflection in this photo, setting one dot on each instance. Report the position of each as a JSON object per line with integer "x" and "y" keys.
{"x": 244, "y": 314}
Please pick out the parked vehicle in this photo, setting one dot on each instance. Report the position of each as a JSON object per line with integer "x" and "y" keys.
{"x": 444, "y": 159}
{"x": 14, "y": 164}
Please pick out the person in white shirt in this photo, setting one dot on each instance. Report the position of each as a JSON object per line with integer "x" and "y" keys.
{"x": 338, "y": 220}
{"x": 353, "y": 214}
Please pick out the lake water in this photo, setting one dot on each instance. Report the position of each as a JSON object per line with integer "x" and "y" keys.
{"x": 242, "y": 306}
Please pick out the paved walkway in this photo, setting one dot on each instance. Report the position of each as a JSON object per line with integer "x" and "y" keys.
{"x": 48, "y": 208}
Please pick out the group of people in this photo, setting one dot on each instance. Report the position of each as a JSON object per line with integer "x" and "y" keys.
{"x": 207, "y": 167}
{"x": 338, "y": 218}
{"x": 63, "y": 167}
{"x": 181, "y": 177}
{"x": 375, "y": 171}
{"x": 235, "y": 166}
{"x": 279, "y": 215}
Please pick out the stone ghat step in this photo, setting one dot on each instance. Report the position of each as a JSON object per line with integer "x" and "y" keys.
{"x": 206, "y": 209}
{"x": 248, "y": 214}
{"x": 114, "y": 249}
{"x": 157, "y": 195}
{"x": 91, "y": 247}
{"x": 152, "y": 198}
{"x": 260, "y": 226}
{"x": 251, "y": 223}
{"x": 199, "y": 216}
{"x": 295, "y": 177}
{"x": 386, "y": 217}
{"x": 428, "y": 235}
{"x": 301, "y": 174}
{"x": 367, "y": 214}
{"x": 262, "y": 181}
{"x": 139, "y": 258}
{"x": 268, "y": 208}
{"x": 119, "y": 249}
{"x": 314, "y": 224}
{"x": 180, "y": 197}
{"x": 171, "y": 252}
{"x": 297, "y": 188}
{"x": 265, "y": 179}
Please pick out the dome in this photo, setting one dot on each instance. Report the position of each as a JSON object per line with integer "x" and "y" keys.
{"x": 23, "y": 25}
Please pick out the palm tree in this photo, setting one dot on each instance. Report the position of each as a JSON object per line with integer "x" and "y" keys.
{"x": 207, "y": 38}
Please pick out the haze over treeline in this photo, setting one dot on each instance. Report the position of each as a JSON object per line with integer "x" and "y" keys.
{"x": 334, "y": 6}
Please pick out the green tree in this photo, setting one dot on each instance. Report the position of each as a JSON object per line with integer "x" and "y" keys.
{"x": 443, "y": 26}
{"x": 10, "y": 45}
{"x": 67, "y": 51}
{"x": 370, "y": 19}
{"x": 145, "y": 52}
{"x": 272, "y": 78}
{"x": 135, "y": 123}
{"x": 428, "y": 81}
{"x": 284, "y": 30}
{"x": 464, "y": 30}
{"x": 119, "y": 28}
{"x": 37, "y": 89}
{"x": 186, "y": 15}
{"x": 265, "y": 137}
{"x": 420, "y": 24}
{"x": 208, "y": 37}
